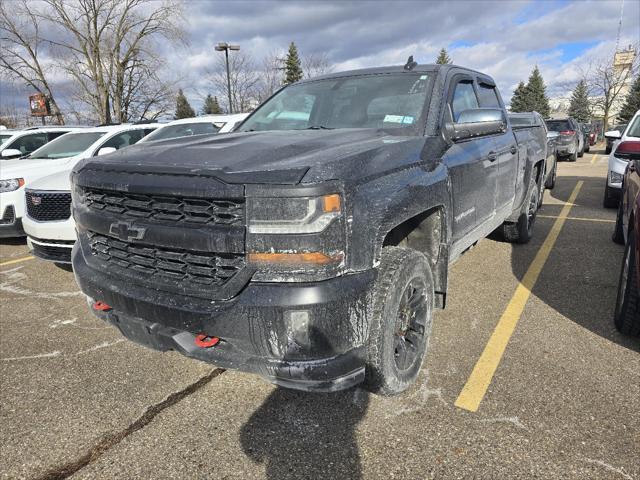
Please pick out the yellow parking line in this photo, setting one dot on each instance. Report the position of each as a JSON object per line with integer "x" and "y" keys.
{"x": 595, "y": 158}
{"x": 17, "y": 260}
{"x": 582, "y": 219}
{"x": 478, "y": 382}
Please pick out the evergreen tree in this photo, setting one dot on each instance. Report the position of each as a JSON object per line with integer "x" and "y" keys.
{"x": 536, "y": 94}
{"x": 443, "y": 57}
{"x": 519, "y": 99}
{"x": 580, "y": 108}
{"x": 631, "y": 102}
{"x": 183, "y": 109}
{"x": 292, "y": 69}
{"x": 211, "y": 106}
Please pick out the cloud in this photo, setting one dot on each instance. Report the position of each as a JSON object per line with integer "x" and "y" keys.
{"x": 502, "y": 38}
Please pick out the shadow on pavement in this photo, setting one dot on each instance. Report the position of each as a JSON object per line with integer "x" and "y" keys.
{"x": 13, "y": 241}
{"x": 580, "y": 278}
{"x": 302, "y": 435}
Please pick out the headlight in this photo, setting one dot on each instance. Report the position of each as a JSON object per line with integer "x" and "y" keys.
{"x": 293, "y": 215}
{"x": 11, "y": 185}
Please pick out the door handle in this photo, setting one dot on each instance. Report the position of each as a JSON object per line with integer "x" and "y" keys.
{"x": 513, "y": 150}
{"x": 493, "y": 156}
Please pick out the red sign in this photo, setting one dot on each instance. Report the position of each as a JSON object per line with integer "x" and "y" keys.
{"x": 39, "y": 104}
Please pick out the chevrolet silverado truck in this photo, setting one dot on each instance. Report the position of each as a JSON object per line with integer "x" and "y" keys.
{"x": 312, "y": 245}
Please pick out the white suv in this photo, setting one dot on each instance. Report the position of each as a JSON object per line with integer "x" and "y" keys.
{"x": 18, "y": 143}
{"x": 204, "y": 125}
{"x": 618, "y": 159}
{"x": 60, "y": 155}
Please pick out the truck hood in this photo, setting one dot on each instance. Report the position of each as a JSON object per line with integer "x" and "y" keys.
{"x": 279, "y": 157}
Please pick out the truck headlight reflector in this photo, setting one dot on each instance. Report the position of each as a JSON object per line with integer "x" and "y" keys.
{"x": 291, "y": 215}
{"x": 11, "y": 185}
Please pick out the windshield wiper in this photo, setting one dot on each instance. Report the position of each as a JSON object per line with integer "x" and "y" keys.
{"x": 319, "y": 127}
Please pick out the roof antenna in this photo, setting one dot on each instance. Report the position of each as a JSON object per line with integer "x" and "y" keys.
{"x": 410, "y": 65}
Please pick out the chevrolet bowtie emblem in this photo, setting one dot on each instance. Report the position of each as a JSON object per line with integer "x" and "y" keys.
{"x": 126, "y": 232}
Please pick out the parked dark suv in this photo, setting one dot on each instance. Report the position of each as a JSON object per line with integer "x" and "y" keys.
{"x": 570, "y": 143}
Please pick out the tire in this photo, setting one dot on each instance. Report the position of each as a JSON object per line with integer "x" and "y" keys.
{"x": 607, "y": 149}
{"x": 400, "y": 331}
{"x": 608, "y": 201}
{"x": 581, "y": 152}
{"x": 587, "y": 148}
{"x": 522, "y": 230}
{"x": 618, "y": 233}
{"x": 627, "y": 313}
{"x": 573, "y": 157}
{"x": 551, "y": 182}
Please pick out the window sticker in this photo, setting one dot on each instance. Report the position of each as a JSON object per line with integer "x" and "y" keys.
{"x": 407, "y": 119}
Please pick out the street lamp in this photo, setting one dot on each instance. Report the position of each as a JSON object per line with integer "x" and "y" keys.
{"x": 225, "y": 47}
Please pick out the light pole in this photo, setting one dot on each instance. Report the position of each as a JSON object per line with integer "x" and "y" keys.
{"x": 225, "y": 47}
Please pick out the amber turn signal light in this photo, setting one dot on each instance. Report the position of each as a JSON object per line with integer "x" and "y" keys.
{"x": 310, "y": 258}
{"x": 331, "y": 203}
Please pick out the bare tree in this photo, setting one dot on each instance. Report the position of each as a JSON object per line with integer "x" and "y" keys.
{"x": 24, "y": 50}
{"x": 271, "y": 75}
{"x": 244, "y": 79}
{"x": 108, "y": 46}
{"x": 316, "y": 64}
{"x": 607, "y": 83}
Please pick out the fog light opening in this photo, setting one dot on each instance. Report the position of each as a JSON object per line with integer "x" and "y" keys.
{"x": 297, "y": 322}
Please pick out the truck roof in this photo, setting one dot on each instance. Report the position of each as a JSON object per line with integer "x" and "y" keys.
{"x": 426, "y": 68}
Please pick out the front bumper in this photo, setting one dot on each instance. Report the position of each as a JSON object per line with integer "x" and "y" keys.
{"x": 257, "y": 328}
{"x": 12, "y": 201}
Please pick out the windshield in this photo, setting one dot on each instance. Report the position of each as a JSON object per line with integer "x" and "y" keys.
{"x": 67, "y": 145}
{"x": 4, "y": 138}
{"x": 371, "y": 101}
{"x": 634, "y": 128}
{"x": 558, "y": 125}
{"x": 183, "y": 130}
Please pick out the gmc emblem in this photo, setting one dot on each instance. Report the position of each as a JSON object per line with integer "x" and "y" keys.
{"x": 126, "y": 232}
{"x": 36, "y": 200}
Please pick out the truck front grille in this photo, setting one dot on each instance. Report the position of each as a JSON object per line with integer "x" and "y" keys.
{"x": 48, "y": 206}
{"x": 166, "y": 264}
{"x": 167, "y": 208}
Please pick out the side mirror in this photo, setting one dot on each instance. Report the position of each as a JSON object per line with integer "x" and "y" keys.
{"x": 613, "y": 134}
{"x": 106, "y": 150}
{"x": 477, "y": 122}
{"x": 11, "y": 153}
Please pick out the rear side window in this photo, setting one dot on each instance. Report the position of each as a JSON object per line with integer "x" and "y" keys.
{"x": 29, "y": 143}
{"x": 488, "y": 96}
{"x": 464, "y": 98}
{"x": 124, "y": 139}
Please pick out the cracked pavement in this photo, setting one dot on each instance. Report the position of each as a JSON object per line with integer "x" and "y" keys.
{"x": 76, "y": 401}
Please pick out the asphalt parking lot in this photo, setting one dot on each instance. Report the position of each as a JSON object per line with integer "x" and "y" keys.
{"x": 526, "y": 377}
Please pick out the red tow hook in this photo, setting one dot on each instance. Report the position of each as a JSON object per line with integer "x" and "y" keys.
{"x": 205, "y": 341}
{"x": 101, "y": 307}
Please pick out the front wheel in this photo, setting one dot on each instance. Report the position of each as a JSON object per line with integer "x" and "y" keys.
{"x": 618, "y": 231}
{"x": 401, "y": 321}
{"x": 609, "y": 201}
{"x": 627, "y": 313}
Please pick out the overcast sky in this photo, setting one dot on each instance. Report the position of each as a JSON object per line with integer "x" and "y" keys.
{"x": 502, "y": 38}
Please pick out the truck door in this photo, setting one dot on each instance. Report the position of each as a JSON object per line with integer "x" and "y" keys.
{"x": 505, "y": 148}
{"x": 471, "y": 163}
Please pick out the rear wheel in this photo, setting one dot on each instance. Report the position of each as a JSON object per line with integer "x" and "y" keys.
{"x": 551, "y": 181}
{"x": 573, "y": 157}
{"x": 609, "y": 201}
{"x": 587, "y": 148}
{"x": 618, "y": 232}
{"x": 627, "y": 313}
{"x": 522, "y": 230}
{"x": 401, "y": 321}
{"x": 608, "y": 148}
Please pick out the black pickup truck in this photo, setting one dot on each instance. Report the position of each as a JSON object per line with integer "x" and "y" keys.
{"x": 312, "y": 245}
